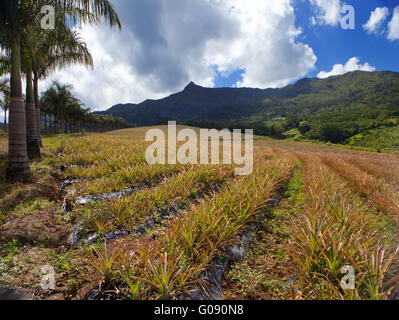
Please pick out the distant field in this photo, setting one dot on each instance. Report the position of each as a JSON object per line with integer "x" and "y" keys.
{"x": 309, "y": 209}
{"x": 140, "y": 132}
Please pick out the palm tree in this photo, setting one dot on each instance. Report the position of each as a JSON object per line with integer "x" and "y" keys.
{"x": 11, "y": 29}
{"x": 5, "y": 101}
{"x": 15, "y": 17}
{"x": 44, "y": 51}
{"x": 48, "y": 111}
{"x": 32, "y": 142}
{"x": 52, "y": 49}
{"x": 33, "y": 147}
{"x": 60, "y": 98}
{"x": 74, "y": 115}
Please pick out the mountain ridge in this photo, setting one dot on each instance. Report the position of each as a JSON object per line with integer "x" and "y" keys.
{"x": 307, "y": 97}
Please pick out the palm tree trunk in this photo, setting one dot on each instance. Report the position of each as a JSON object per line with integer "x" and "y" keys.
{"x": 38, "y": 116}
{"x": 45, "y": 122}
{"x": 59, "y": 120}
{"x": 31, "y": 120}
{"x": 18, "y": 164}
{"x": 5, "y": 119}
{"x": 62, "y": 123}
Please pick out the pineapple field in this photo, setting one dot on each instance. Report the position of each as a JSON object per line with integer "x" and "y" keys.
{"x": 312, "y": 221}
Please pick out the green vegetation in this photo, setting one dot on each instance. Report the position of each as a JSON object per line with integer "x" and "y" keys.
{"x": 7, "y": 263}
{"x": 32, "y": 207}
{"x": 385, "y": 139}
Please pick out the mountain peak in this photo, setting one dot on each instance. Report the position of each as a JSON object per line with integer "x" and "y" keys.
{"x": 191, "y": 85}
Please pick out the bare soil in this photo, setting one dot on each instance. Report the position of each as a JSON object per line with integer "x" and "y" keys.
{"x": 42, "y": 227}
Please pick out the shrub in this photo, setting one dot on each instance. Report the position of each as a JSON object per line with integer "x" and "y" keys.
{"x": 332, "y": 133}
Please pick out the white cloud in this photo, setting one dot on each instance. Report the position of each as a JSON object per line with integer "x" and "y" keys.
{"x": 352, "y": 65}
{"x": 166, "y": 44}
{"x": 377, "y": 18}
{"x": 266, "y": 47}
{"x": 313, "y": 21}
{"x": 328, "y": 12}
{"x": 393, "y": 27}
{"x": 113, "y": 79}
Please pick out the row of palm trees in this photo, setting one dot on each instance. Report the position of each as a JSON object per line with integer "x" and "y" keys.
{"x": 36, "y": 52}
{"x": 62, "y": 113}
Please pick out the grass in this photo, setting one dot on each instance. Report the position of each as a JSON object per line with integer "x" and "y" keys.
{"x": 32, "y": 207}
{"x": 8, "y": 261}
{"x": 293, "y": 135}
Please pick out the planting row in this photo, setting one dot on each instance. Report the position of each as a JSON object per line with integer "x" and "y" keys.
{"x": 171, "y": 264}
{"x": 376, "y": 189}
{"x": 155, "y": 203}
{"x": 338, "y": 232}
{"x": 112, "y": 152}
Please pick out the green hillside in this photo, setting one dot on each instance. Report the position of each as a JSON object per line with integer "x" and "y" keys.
{"x": 333, "y": 109}
{"x": 380, "y": 139}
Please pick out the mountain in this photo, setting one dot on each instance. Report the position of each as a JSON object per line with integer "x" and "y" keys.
{"x": 356, "y": 101}
{"x": 193, "y": 102}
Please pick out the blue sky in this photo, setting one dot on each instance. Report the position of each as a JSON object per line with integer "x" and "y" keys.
{"x": 334, "y": 45}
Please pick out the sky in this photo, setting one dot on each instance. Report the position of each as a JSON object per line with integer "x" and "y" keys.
{"x": 165, "y": 44}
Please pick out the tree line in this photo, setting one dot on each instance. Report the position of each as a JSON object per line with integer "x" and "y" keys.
{"x": 61, "y": 112}
{"x": 64, "y": 113}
